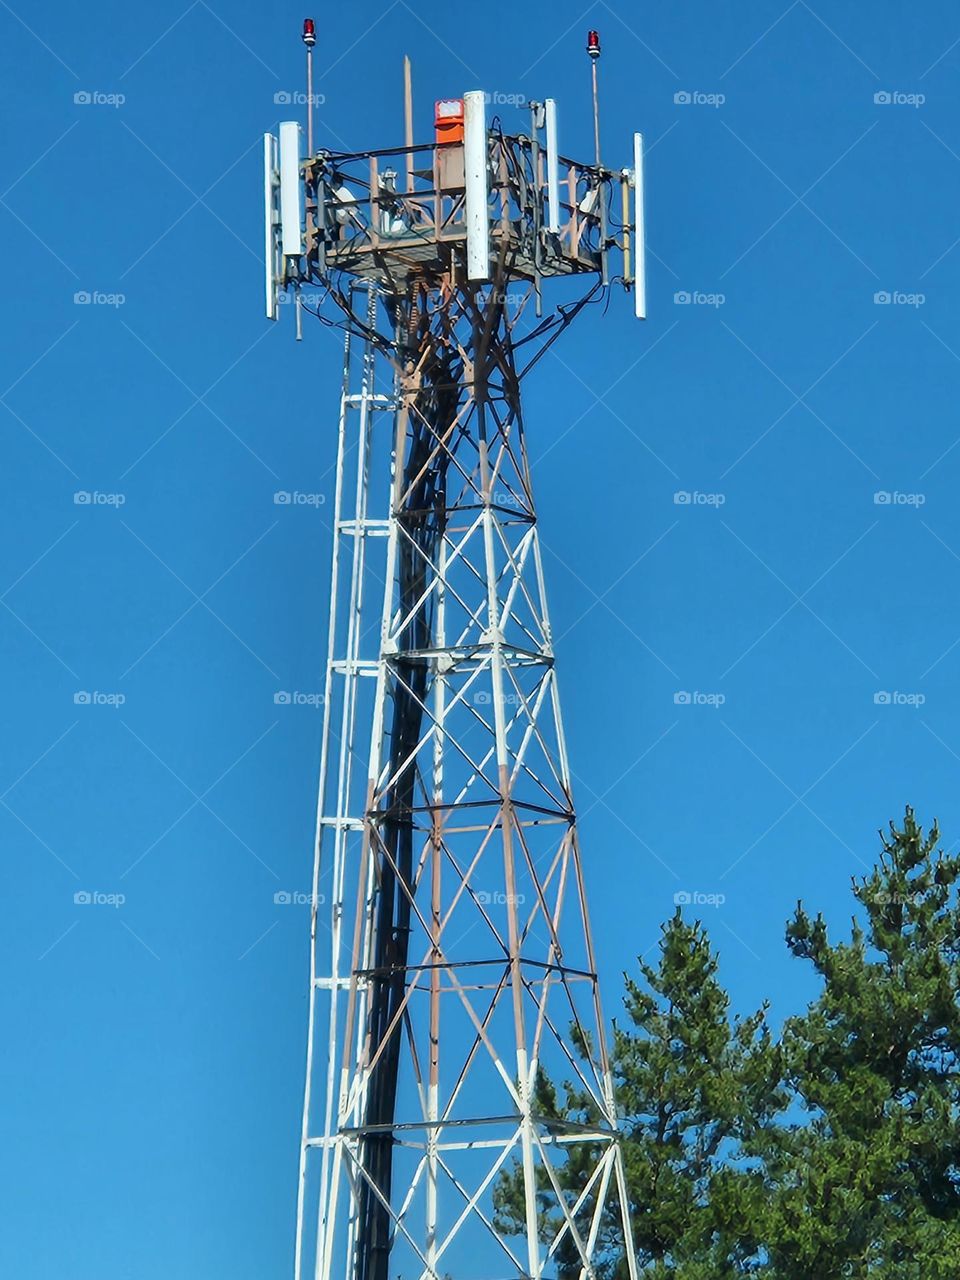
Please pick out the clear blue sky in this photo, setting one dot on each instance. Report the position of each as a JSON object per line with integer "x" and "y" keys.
{"x": 152, "y": 1051}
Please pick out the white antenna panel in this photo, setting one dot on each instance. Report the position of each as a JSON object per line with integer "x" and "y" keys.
{"x": 476, "y": 185}
{"x": 553, "y": 179}
{"x": 272, "y": 266}
{"x": 291, "y": 190}
{"x": 640, "y": 284}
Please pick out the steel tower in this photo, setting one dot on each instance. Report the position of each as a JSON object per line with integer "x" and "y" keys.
{"x": 453, "y": 981}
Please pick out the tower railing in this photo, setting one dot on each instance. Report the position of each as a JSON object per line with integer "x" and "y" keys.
{"x": 370, "y": 223}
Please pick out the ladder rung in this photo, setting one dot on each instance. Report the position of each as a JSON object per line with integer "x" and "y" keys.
{"x": 355, "y": 398}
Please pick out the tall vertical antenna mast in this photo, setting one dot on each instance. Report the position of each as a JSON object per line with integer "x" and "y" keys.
{"x": 408, "y": 119}
{"x": 593, "y": 49}
{"x": 453, "y": 970}
{"x": 309, "y": 39}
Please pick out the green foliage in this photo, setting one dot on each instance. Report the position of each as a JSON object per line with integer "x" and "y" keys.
{"x": 871, "y": 1185}
{"x": 696, "y": 1090}
{"x": 832, "y": 1153}
{"x": 693, "y": 1089}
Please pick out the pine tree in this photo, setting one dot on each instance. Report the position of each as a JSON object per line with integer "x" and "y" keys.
{"x": 864, "y": 1182}
{"x": 694, "y": 1090}
{"x": 870, "y": 1185}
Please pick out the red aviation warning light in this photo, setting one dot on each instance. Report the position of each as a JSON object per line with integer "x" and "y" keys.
{"x": 309, "y": 32}
{"x": 593, "y": 44}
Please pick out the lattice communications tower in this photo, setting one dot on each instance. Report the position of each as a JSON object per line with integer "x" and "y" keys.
{"x": 453, "y": 976}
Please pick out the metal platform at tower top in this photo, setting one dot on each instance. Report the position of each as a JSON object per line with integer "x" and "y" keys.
{"x": 484, "y": 206}
{"x": 387, "y": 235}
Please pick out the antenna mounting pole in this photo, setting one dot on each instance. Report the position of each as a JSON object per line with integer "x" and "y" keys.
{"x": 309, "y": 39}
{"x": 408, "y": 118}
{"x": 593, "y": 48}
